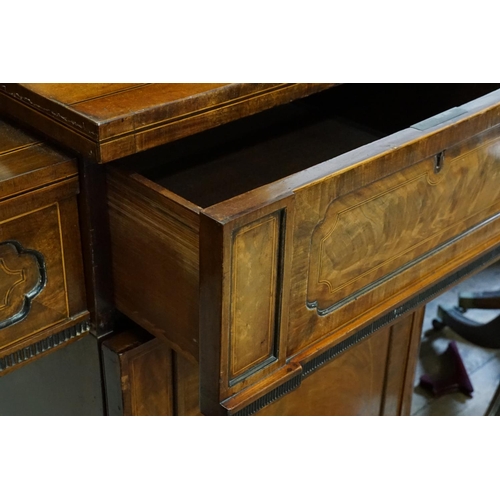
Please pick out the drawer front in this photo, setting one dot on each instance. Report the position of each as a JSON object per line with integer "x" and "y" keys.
{"x": 295, "y": 272}
{"x": 41, "y": 277}
{"x": 379, "y": 241}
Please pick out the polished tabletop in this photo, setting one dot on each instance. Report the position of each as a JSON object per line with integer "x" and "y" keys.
{"x": 107, "y": 121}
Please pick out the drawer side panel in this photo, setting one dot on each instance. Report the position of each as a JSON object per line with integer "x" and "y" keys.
{"x": 155, "y": 266}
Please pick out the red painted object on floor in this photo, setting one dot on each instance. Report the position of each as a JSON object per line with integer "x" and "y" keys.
{"x": 453, "y": 376}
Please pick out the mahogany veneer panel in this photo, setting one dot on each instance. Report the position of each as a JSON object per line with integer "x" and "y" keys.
{"x": 372, "y": 378}
{"x": 138, "y": 373}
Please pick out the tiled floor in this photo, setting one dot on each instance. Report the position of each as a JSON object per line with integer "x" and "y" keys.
{"x": 482, "y": 365}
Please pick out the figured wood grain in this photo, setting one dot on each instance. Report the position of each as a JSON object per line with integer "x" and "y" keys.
{"x": 104, "y": 123}
{"x": 306, "y": 325}
{"x": 352, "y": 384}
{"x": 372, "y": 378}
{"x": 394, "y": 349}
{"x": 155, "y": 238}
{"x": 255, "y": 266}
{"x": 138, "y": 374}
{"x": 412, "y": 359}
{"x": 150, "y": 382}
{"x": 267, "y": 264}
{"x": 176, "y": 220}
{"x": 456, "y": 235}
{"x": 401, "y": 363}
{"x": 390, "y": 223}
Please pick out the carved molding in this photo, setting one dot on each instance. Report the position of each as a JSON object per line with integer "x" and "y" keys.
{"x": 270, "y": 397}
{"x": 44, "y": 345}
{"x": 22, "y": 277}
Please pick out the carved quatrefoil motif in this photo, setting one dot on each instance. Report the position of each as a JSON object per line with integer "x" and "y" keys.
{"x": 22, "y": 278}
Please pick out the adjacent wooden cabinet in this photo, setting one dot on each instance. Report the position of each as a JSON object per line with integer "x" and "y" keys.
{"x": 275, "y": 244}
{"x": 42, "y": 292}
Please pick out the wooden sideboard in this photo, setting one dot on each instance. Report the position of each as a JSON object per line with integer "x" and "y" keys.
{"x": 251, "y": 249}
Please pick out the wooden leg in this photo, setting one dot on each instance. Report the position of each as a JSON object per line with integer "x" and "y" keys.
{"x": 484, "y": 335}
{"x": 96, "y": 247}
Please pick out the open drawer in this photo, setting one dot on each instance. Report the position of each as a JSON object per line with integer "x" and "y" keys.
{"x": 264, "y": 247}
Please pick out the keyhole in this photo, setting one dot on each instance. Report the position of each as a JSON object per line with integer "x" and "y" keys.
{"x": 439, "y": 162}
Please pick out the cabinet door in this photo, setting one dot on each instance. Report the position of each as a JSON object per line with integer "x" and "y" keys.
{"x": 138, "y": 375}
{"x": 65, "y": 381}
{"x": 375, "y": 377}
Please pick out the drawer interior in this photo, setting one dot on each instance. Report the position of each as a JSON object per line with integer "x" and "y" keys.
{"x": 230, "y": 160}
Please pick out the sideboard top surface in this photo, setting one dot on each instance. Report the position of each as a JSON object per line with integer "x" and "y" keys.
{"x": 107, "y": 121}
{"x": 26, "y": 163}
